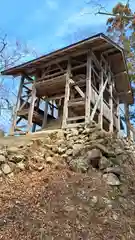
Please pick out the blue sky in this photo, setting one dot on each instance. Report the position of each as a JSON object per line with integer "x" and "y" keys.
{"x": 46, "y": 25}
{"x": 49, "y": 24}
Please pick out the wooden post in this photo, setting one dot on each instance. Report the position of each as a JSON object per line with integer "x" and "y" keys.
{"x": 17, "y": 106}
{"x": 31, "y": 109}
{"x": 37, "y": 106}
{"x": 100, "y": 120}
{"x": 126, "y": 106}
{"x": 45, "y": 115}
{"x": 88, "y": 88}
{"x": 67, "y": 94}
{"x": 111, "y": 103}
{"x": 118, "y": 116}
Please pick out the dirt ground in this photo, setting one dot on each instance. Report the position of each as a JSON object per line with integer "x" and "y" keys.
{"x": 64, "y": 205}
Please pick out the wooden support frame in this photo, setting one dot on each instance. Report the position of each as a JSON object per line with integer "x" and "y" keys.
{"x": 98, "y": 100}
{"x": 17, "y": 106}
{"x": 100, "y": 119}
{"x": 77, "y": 88}
{"x": 88, "y": 88}
{"x": 31, "y": 109}
{"x": 67, "y": 94}
{"x": 111, "y": 103}
{"x": 45, "y": 114}
{"x": 118, "y": 116}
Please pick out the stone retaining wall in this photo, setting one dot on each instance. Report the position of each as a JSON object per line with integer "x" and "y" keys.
{"x": 78, "y": 149}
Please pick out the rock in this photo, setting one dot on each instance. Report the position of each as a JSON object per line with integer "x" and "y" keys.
{"x": 40, "y": 168}
{"x": 17, "y": 158}
{"x": 12, "y": 150}
{"x": 11, "y": 175}
{"x": 69, "y": 152}
{"x": 49, "y": 160}
{"x": 60, "y": 142}
{"x": 1, "y": 173}
{"x": 74, "y": 132}
{"x": 104, "y": 163}
{"x": 79, "y": 165}
{"x": 21, "y": 165}
{"x": 2, "y": 222}
{"x": 2, "y": 159}
{"x": 94, "y": 199}
{"x": 69, "y": 208}
{"x": 60, "y": 135}
{"x": 77, "y": 148}
{"x": 62, "y": 150}
{"x": 103, "y": 149}
{"x": 65, "y": 156}
{"x": 94, "y": 157}
{"x": 111, "y": 179}
{"x": 6, "y": 169}
{"x": 116, "y": 170}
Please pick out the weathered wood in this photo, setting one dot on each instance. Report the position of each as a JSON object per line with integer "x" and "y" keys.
{"x": 67, "y": 94}
{"x": 45, "y": 115}
{"x": 101, "y": 103}
{"x": 17, "y": 106}
{"x": 88, "y": 88}
{"x": 55, "y": 97}
{"x": 98, "y": 100}
{"x": 31, "y": 109}
{"x": 76, "y": 118}
{"x": 126, "y": 107}
{"x": 76, "y": 103}
{"x": 77, "y": 88}
{"x": 111, "y": 104}
{"x": 118, "y": 116}
{"x": 37, "y": 106}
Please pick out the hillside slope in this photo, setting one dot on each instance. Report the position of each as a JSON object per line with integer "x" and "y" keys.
{"x": 76, "y": 184}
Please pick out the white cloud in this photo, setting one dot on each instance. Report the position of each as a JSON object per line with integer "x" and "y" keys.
{"x": 84, "y": 18}
{"x": 52, "y": 4}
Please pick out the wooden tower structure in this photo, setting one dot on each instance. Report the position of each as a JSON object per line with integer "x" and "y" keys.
{"x": 75, "y": 85}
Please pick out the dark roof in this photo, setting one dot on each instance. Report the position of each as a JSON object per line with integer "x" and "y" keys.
{"x": 15, "y": 70}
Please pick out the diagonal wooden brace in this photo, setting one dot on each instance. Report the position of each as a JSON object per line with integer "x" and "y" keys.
{"x": 98, "y": 100}
{"x": 77, "y": 88}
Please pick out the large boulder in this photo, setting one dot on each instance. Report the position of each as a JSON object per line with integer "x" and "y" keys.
{"x": 2, "y": 159}
{"x": 79, "y": 165}
{"x": 94, "y": 157}
{"x": 111, "y": 179}
{"x": 12, "y": 150}
{"x": 6, "y": 169}
{"x": 77, "y": 149}
{"x": 104, "y": 163}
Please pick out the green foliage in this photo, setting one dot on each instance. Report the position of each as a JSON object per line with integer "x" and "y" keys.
{"x": 121, "y": 28}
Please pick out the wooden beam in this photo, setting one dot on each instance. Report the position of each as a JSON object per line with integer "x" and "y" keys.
{"x": 45, "y": 115}
{"x": 111, "y": 103}
{"x": 88, "y": 88}
{"x": 101, "y": 102}
{"x": 34, "y": 124}
{"x": 76, "y": 103}
{"x": 67, "y": 94}
{"x": 77, "y": 88}
{"x": 118, "y": 116}
{"x": 98, "y": 100}
{"x": 55, "y": 97}
{"x": 96, "y": 61}
{"x": 17, "y": 106}
{"x": 31, "y": 109}
{"x": 76, "y": 118}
